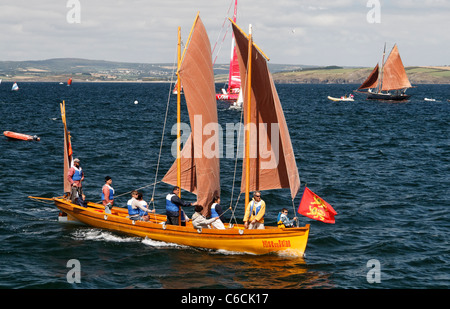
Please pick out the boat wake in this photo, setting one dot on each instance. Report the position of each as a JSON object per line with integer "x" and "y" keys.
{"x": 101, "y": 235}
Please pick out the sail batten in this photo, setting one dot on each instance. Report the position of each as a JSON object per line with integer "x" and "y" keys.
{"x": 272, "y": 160}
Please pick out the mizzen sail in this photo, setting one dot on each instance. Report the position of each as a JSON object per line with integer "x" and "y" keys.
{"x": 67, "y": 149}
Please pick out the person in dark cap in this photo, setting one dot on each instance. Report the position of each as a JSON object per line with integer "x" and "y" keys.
{"x": 75, "y": 177}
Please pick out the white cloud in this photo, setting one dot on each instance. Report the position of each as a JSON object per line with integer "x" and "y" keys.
{"x": 321, "y": 32}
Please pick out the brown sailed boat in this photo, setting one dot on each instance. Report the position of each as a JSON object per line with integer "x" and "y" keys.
{"x": 199, "y": 173}
{"x": 389, "y": 84}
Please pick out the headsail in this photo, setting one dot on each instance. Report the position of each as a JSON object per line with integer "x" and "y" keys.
{"x": 394, "y": 74}
{"x": 200, "y": 169}
{"x": 272, "y": 160}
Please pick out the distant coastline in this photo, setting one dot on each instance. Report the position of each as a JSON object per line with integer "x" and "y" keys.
{"x": 83, "y": 70}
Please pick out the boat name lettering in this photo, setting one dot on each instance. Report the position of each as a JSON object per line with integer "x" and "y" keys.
{"x": 276, "y": 244}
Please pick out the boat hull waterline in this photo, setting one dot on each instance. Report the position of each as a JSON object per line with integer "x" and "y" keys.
{"x": 387, "y": 96}
{"x": 286, "y": 241}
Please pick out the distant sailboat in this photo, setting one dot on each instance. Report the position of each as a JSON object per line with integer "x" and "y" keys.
{"x": 15, "y": 87}
{"x": 69, "y": 82}
{"x": 234, "y": 78}
{"x": 391, "y": 83}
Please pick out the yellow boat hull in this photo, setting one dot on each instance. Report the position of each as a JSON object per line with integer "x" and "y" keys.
{"x": 288, "y": 241}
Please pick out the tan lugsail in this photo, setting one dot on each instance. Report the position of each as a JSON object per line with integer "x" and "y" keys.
{"x": 67, "y": 148}
{"x": 200, "y": 166}
{"x": 372, "y": 80}
{"x": 272, "y": 160}
{"x": 394, "y": 74}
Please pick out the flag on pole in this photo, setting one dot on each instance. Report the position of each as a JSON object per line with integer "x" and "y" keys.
{"x": 314, "y": 207}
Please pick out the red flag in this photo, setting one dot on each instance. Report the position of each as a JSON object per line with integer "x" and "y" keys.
{"x": 312, "y": 206}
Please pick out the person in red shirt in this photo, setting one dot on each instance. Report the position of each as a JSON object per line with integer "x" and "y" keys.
{"x": 75, "y": 177}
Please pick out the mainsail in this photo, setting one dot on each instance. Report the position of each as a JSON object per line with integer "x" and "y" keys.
{"x": 200, "y": 168}
{"x": 394, "y": 74}
{"x": 272, "y": 160}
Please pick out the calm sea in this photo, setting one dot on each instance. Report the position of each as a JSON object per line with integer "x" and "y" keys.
{"x": 384, "y": 167}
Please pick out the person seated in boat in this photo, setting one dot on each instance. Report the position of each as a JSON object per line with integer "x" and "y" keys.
{"x": 144, "y": 209}
{"x": 137, "y": 207}
{"x": 108, "y": 194}
{"x": 173, "y": 206}
{"x": 81, "y": 201}
{"x": 199, "y": 220}
{"x": 215, "y": 211}
{"x": 283, "y": 219}
{"x": 254, "y": 212}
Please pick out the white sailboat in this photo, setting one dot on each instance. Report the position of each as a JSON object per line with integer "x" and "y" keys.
{"x": 15, "y": 87}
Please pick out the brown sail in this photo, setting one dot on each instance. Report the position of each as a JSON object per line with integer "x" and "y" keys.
{"x": 372, "y": 80}
{"x": 394, "y": 75}
{"x": 200, "y": 165}
{"x": 272, "y": 160}
{"x": 67, "y": 149}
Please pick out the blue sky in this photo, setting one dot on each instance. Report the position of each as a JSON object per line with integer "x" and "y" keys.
{"x": 321, "y": 32}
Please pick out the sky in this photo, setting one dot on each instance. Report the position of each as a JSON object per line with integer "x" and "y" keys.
{"x": 319, "y": 32}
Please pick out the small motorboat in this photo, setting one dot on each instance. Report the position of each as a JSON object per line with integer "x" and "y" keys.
{"x": 20, "y": 136}
{"x": 344, "y": 98}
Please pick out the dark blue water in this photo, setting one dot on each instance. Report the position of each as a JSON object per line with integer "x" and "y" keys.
{"x": 384, "y": 167}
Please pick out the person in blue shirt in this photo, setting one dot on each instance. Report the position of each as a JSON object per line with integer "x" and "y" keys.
{"x": 283, "y": 219}
{"x": 173, "y": 205}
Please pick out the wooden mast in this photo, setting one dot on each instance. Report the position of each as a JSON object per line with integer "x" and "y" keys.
{"x": 179, "y": 59}
{"x": 249, "y": 97}
{"x": 179, "y": 121}
{"x": 380, "y": 84}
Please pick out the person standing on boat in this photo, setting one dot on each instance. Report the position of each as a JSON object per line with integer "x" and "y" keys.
{"x": 173, "y": 206}
{"x": 75, "y": 177}
{"x": 254, "y": 212}
{"x": 108, "y": 194}
{"x": 216, "y": 212}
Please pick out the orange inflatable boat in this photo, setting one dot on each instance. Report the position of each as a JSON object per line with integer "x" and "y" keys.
{"x": 20, "y": 136}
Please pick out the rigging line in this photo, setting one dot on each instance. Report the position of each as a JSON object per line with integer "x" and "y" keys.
{"x": 116, "y": 196}
{"x": 236, "y": 160}
{"x": 233, "y": 211}
{"x": 220, "y": 32}
{"x": 293, "y": 207}
{"x": 163, "y": 131}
